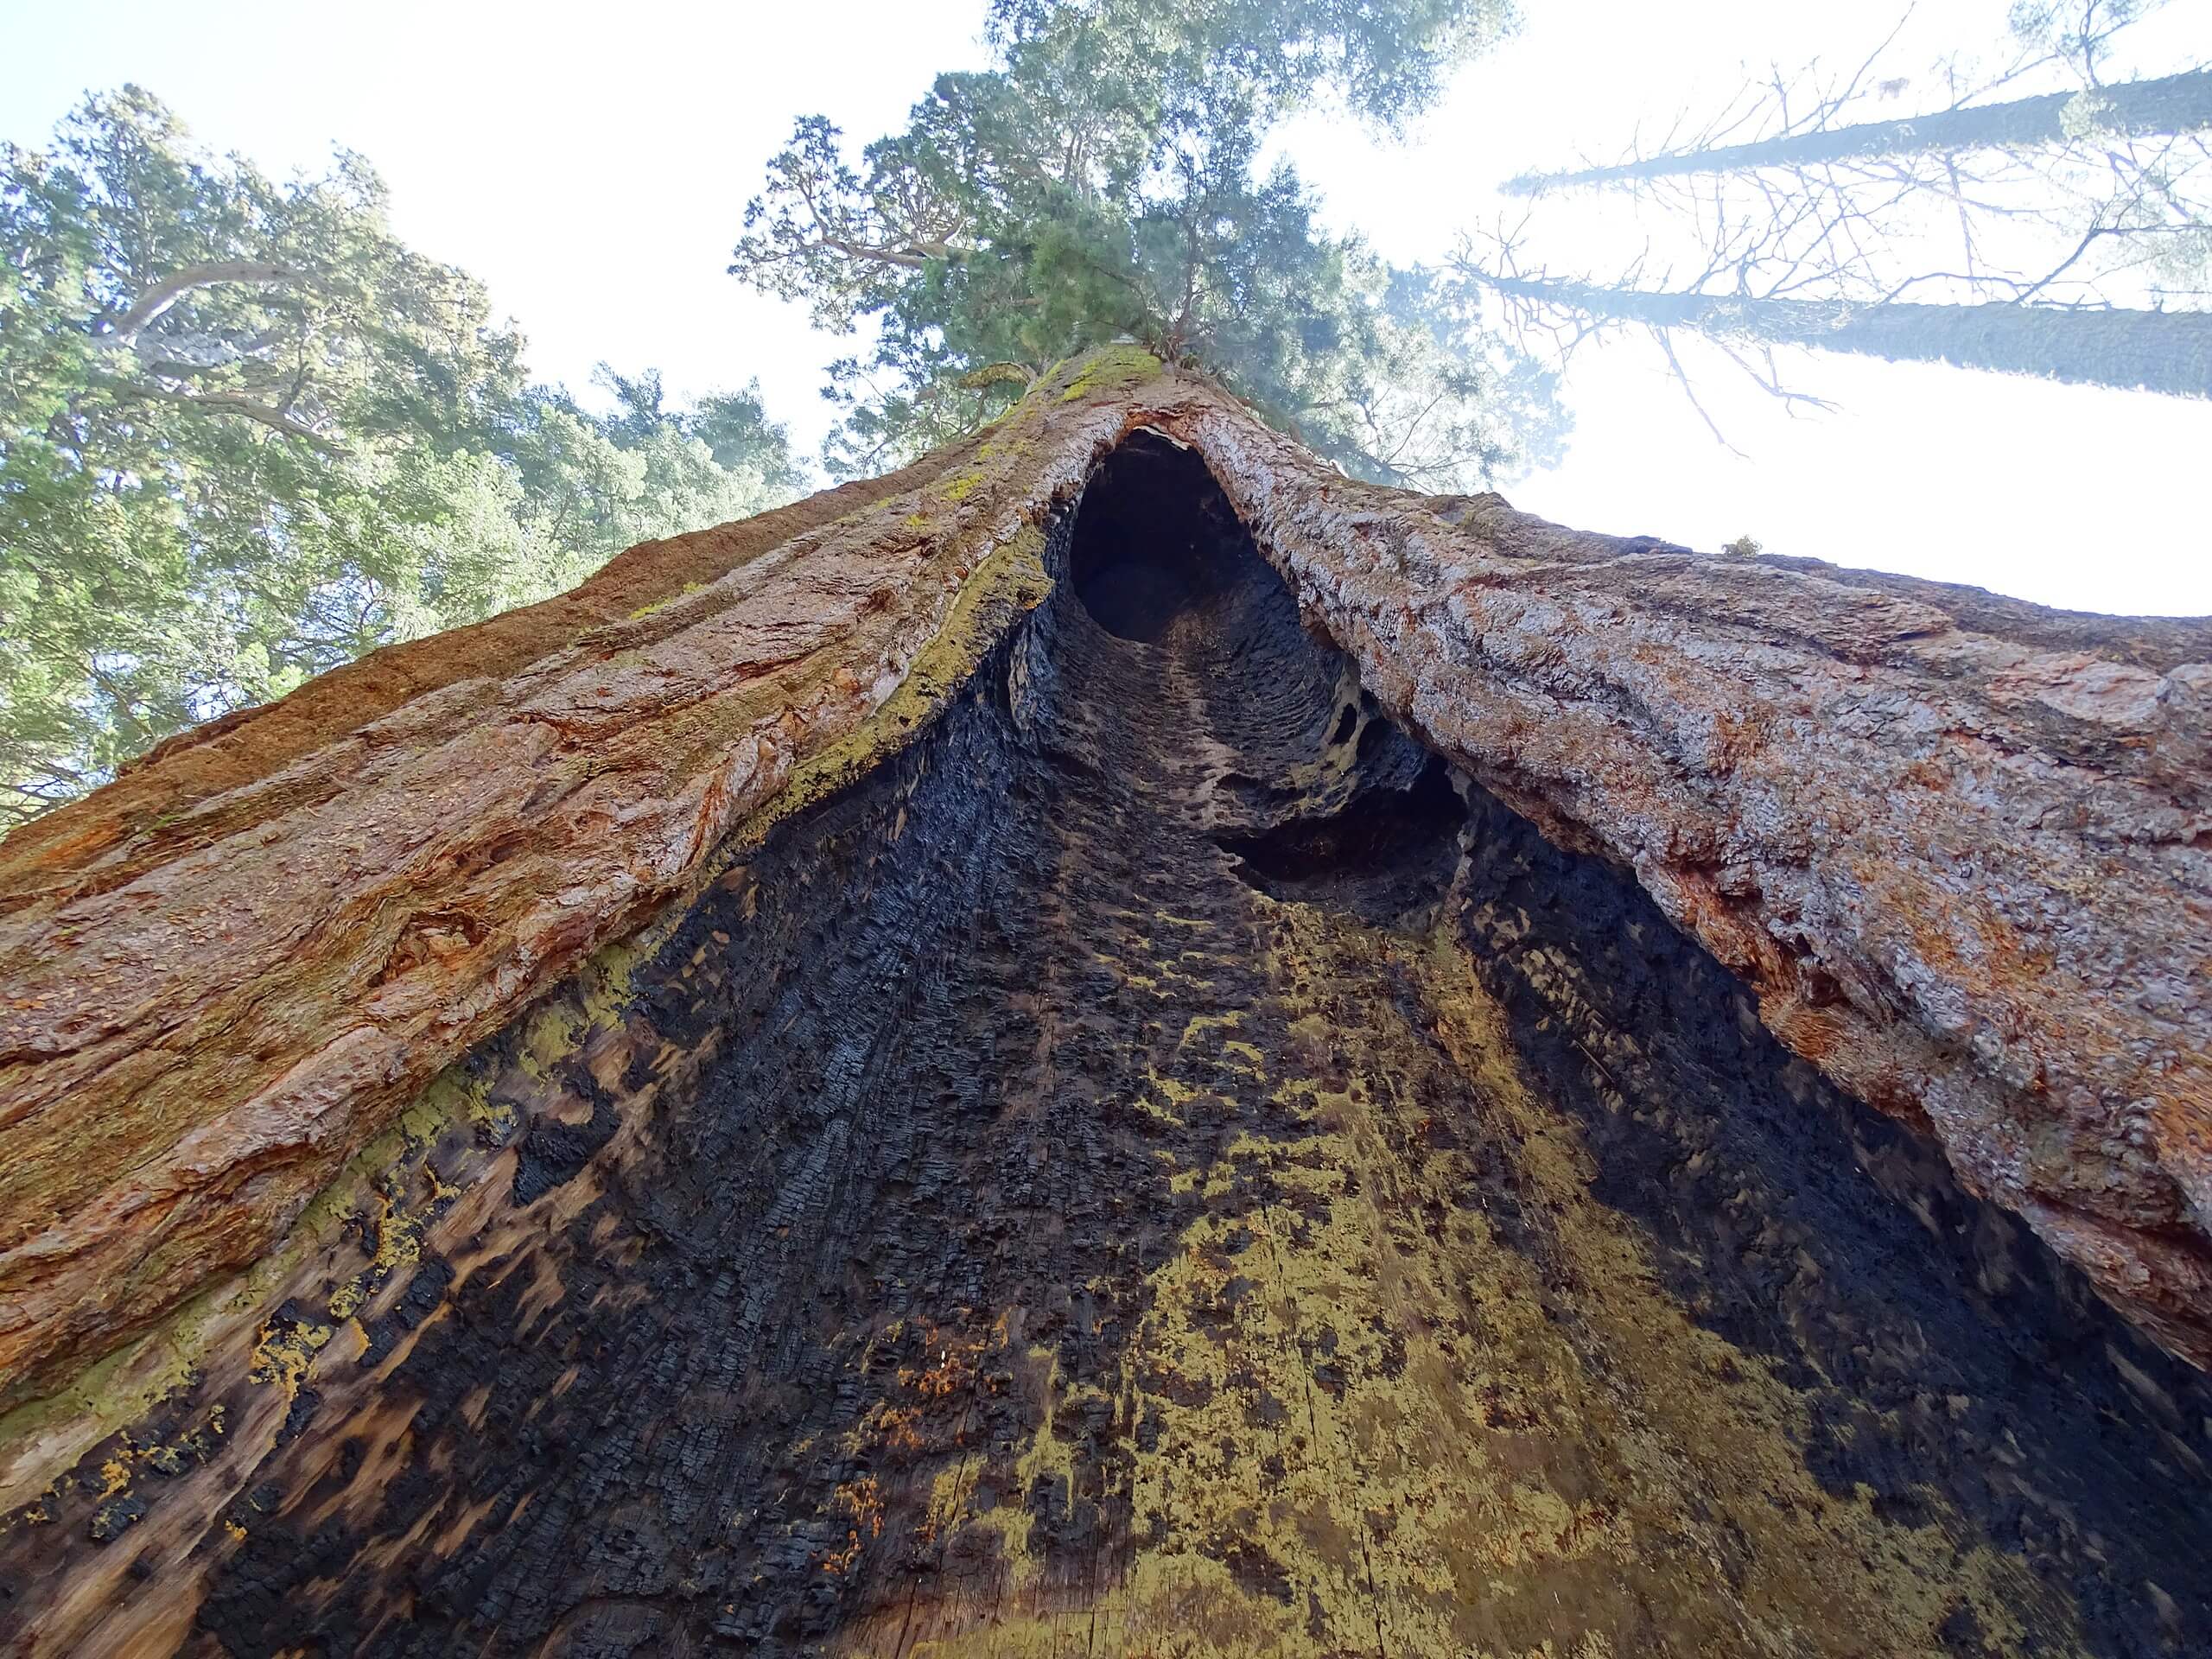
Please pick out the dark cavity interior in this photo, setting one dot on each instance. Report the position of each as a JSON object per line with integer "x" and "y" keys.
{"x": 1164, "y": 1167}
{"x": 1155, "y": 543}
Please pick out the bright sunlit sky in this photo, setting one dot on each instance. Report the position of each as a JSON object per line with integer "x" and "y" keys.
{"x": 590, "y": 163}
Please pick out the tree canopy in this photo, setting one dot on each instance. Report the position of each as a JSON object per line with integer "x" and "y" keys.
{"x": 246, "y": 434}
{"x": 1108, "y": 177}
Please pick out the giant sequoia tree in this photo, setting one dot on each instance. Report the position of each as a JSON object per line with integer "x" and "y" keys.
{"x": 1115, "y": 1038}
{"x": 1154, "y": 1032}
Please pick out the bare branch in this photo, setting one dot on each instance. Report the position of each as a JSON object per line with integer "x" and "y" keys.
{"x": 149, "y": 307}
{"x": 1682, "y": 380}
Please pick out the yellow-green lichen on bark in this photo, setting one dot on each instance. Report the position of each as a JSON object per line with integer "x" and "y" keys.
{"x": 1377, "y": 1427}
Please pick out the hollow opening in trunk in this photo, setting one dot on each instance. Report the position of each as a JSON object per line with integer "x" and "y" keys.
{"x": 1154, "y": 540}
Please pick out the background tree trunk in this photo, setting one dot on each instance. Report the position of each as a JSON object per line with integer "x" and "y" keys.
{"x": 2155, "y": 351}
{"x": 2172, "y": 104}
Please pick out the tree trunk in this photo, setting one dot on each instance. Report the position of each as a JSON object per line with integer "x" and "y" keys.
{"x": 1117, "y": 1037}
{"x": 2152, "y": 351}
{"x": 2179, "y": 103}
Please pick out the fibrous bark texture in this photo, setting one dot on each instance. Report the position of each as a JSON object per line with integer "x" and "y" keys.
{"x": 1117, "y": 1040}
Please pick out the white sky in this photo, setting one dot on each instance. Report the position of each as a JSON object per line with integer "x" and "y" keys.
{"x": 590, "y": 163}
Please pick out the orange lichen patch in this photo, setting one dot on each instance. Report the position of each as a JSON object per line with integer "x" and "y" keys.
{"x": 286, "y": 1352}
{"x": 862, "y": 1502}
{"x": 898, "y": 1429}
{"x": 953, "y": 1354}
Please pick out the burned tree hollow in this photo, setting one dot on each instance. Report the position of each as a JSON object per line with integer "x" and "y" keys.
{"x": 1166, "y": 1165}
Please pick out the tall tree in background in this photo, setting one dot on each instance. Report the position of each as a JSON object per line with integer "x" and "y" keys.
{"x": 2066, "y": 234}
{"x": 2170, "y": 106}
{"x": 246, "y": 434}
{"x": 2148, "y": 350}
{"x": 1104, "y": 180}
